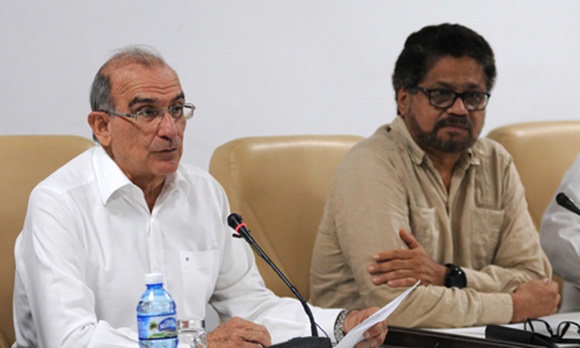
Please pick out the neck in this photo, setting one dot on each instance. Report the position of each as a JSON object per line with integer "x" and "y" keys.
{"x": 445, "y": 163}
{"x": 151, "y": 190}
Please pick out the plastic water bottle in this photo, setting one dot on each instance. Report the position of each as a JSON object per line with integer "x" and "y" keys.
{"x": 191, "y": 333}
{"x": 156, "y": 315}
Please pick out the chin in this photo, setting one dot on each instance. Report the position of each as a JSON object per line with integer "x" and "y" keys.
{"x": 165, "y": 169}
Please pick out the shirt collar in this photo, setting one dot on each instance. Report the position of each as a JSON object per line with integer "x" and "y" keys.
{"x": 110, "y": 177}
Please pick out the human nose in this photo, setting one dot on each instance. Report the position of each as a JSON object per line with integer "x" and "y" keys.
{"x": 167, "y": 125}
{"x": 458, "y": 107}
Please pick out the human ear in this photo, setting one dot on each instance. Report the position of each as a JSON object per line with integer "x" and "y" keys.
{"x": 403, "y": 101}
{"x": 99, "y": 122}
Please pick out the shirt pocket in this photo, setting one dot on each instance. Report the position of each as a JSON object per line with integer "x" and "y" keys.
{"x": 485, "y": 229}
{"x": 423, "y": 228}
{"x": 199, "y": 270}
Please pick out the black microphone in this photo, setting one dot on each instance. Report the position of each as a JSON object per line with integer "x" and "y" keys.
{"x": 236, "y": 222}
{"x": 563, "y": 200}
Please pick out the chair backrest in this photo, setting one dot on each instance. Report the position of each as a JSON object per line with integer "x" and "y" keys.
{"x": 542, "y": 153}
{"x": 279, "y": 185}
{"x": 24, "y": 161}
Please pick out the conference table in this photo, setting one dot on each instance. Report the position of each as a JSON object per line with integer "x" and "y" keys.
{"x": 472, "y": 337}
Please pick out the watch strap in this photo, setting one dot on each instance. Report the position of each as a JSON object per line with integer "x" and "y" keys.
{"x": 456, "y": 277}
{"x": 339, "y": 324}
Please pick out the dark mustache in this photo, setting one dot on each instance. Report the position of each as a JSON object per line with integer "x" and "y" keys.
{"x": 455, "y": 122}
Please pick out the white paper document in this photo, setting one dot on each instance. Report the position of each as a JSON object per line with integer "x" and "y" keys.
{"x": 356, "y": 335}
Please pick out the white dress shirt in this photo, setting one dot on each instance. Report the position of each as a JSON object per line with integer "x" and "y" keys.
{"x": 89, "y": 239}
{"x": 560, "y": 238}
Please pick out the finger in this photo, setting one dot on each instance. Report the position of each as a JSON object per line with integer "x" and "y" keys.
{"x": 383, "y": 256}
{"x": 403, "y": 283}
{"x": 247, "y": 331}
{"x": 254, "y": 341}
{"x": 363, "y": 344}
{"x": 398, "y": 275}
{"x": 393, "y": 270}
{"x": 375, "y": 331}
{"x": 257, "y": 337}
{"x": 249, "y": 345}
{"x": 369, "y": 343}
{"x": 409, "y": 239}
{"x": 385, "y": 267}
{"x": 393, "y": 254}
{"x": 401, "y": 275}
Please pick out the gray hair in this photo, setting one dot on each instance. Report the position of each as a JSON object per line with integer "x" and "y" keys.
{"x": 100, "y": 97}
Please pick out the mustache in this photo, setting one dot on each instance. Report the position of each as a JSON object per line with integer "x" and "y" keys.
{"x": 455, "y": 122}
{"x": 171, "y": 145}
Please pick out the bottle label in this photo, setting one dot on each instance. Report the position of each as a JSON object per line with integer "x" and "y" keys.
{"x": 157, "y": 326}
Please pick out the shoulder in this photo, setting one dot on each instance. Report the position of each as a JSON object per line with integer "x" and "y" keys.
{"x": 490, "y": 151}
{"x": 379, "y": 146}
{"x": 76, "y": 173}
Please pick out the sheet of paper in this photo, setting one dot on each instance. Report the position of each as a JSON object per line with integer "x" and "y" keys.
{"x": 356, "y": 334}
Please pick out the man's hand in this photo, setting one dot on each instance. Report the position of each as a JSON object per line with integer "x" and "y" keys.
{"x": 375, "y": 336}
{"x": 403, "y": 267}
{"x": 535, "y": 299}
{"x": 239, "y": 333}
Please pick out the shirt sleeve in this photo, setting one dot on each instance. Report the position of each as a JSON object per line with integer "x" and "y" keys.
{"x": 240, "y": 291}
{"x": 518, "y": 257}
{"x": 51, "y": 275}
{"x": 368, "y": 206}
{"x": 560, "y": 231}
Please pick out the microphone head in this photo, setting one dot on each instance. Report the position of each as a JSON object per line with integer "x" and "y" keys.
{"x": 564, "y": 201}
{"x": 235, "y": 220}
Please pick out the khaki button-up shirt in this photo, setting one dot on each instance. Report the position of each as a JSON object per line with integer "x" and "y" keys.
{"x": 387, "y": 183}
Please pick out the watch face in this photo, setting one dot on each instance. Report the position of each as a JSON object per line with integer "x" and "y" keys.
{"x": 456, "y": 277}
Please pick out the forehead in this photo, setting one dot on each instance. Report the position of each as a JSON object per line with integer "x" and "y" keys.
{"x": 133, "y": 81}
{"x": 462, "y": 72}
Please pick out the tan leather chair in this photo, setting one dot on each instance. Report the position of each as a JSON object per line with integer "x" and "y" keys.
{"x": 24, "y": 161}
{"x": 542, "y": 153}
{"x": 279, "y": 185}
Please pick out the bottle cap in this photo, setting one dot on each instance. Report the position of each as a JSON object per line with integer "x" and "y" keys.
{"x": 153, "y": 278}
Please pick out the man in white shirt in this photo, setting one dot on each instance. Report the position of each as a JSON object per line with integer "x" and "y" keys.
{"x": 128, "y": 207}
{"x": 560, "y": 239}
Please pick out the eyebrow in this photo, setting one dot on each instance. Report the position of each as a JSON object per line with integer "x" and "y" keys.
{"x": 138, "y": 100}
{"x": 471, "y": 87}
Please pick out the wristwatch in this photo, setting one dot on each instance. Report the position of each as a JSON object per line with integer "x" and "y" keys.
{"x": 339, "y": 323}
{"x": 456, "y": 277}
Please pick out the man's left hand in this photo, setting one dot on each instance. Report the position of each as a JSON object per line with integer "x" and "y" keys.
{"x": 373, "y": 337}
{"x": 403, "y": 267}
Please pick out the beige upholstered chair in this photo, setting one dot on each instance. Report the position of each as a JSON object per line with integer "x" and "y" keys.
{"x": 542, "y": 153}
{"x": 279, "y": 185}
{"x": 24, "y": 161}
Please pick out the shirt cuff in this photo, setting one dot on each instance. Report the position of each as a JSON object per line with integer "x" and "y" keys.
{"x": 326, "y": 318}
{"x": 496, "y": 308}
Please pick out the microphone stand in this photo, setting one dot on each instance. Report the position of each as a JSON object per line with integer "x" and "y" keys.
{"x": 235, "y": 221}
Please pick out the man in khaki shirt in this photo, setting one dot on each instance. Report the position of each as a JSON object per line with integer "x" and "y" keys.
{"x": 425, "y": 199}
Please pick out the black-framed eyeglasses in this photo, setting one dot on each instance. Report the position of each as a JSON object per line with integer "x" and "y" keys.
{"x": 443, "y": 98}
{"x": 557, "y": 336}
{"x": 147, "y": 115}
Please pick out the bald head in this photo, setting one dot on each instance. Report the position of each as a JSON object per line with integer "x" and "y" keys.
{"x": 101, "y": 99}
